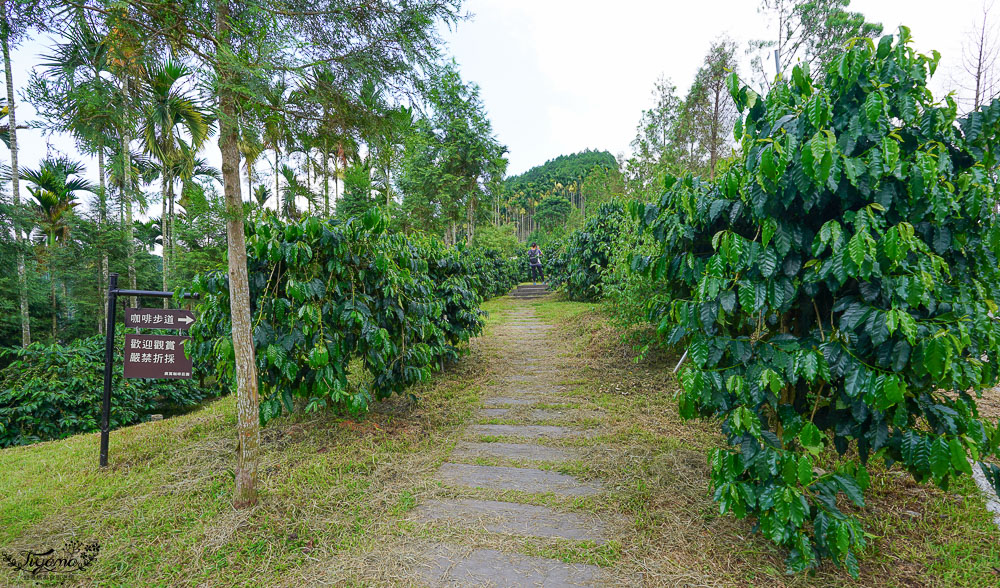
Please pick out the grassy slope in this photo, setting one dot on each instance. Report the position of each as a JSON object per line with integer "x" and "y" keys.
{"x": 334, "y": 490}
{"x": 162, "y": 513}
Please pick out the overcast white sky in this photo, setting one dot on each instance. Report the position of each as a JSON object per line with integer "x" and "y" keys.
{"x": 560, "y": 76}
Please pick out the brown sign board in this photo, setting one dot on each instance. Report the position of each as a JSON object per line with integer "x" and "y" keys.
{"x": 156, "y": 356}
{"x": 159, "y": 318}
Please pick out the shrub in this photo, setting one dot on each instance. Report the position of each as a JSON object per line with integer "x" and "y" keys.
{"x": 495, "y": 273}
{"x": 634, "y": 300}
{"x": 502, "y": 239}
{"x": 54, "y": 391}
{"x": 326, "y": 295}
{"x": 836, "y": 287}
{"x": 581, "y": 263}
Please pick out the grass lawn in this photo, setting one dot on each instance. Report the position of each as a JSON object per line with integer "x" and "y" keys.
{"x": 335, "y": 492}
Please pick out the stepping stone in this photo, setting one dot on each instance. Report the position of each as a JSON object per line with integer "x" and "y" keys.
{"x": 546, "y": 415}
{"x": 453, "y": 566}
{"x": 518, "y": 401}
{"x": 494, "y": 412}
{"x": 528, "y": 431}
{"x": 521, "y": 479}
{"x": 527, "y": 451}
{"x": 525, "y": 378}
{"x": 512, "y": 518}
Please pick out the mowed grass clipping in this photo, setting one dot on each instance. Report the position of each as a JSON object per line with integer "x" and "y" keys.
{"x": 335, "y": 492}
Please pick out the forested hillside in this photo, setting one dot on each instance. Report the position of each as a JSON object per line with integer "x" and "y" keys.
{"x": 547, "y": 196}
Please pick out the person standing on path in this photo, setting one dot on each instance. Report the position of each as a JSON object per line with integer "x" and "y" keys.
{"x": 535, "y": 263}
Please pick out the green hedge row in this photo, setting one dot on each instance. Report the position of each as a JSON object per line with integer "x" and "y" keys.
{"x": 329, "y": 297}
{"x": 54, "y": 391}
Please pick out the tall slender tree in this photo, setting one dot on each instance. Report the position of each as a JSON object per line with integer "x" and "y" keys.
{"x": 390, "y": 39}
{"x": 73, "y": 92}
{"x": 276, "y": 133}
{"x": 981, "y": 61}
{"x": 813, "y": 31}
{"x": 16, "y": 17}
{"x": 128, "y": 57}
{"x": 655, "y": 147}
{"x": 708, "y": 112}
{"x": 174, "y": 128}
{"x": 54, "y": 186}
{"x": 452, "y": 156}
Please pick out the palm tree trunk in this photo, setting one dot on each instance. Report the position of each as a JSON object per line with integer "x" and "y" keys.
{"x": 172, "y": 216}
{"x": 470, "y": 214}
{"x": 164, "y": 229}
{"x": 326, "y": 179}
{"x": 277, "y": 194}
{"x": 102, "y": 224}
{"x": 52, "y": 285}
{"x": 22, "y": 276}
{"x": 249, "y": 177}
{"x": 309, "y": 185}
{"x": 247, "y": 399}
{"x": 67, "y": 307}
{"x": 127, "y": 196}
{"x": 336, "y": 181}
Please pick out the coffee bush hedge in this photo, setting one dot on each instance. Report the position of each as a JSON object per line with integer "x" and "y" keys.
{"x": 54, "y": 391}
{"x": 836, "y": 292}
{"x": 328, "y": 296}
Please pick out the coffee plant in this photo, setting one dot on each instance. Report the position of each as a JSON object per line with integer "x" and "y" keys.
{"x": 54, "y": 391}
{"x": 328, "y": 294}
{"x": 836, "y": 287}
{"x": 584, "y": 255}
{"x": 495, "y": 274}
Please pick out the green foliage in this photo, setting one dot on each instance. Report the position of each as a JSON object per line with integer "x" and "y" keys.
{"x": 452, "y": 161}
{"x": 565, "y": 169}
{"x": 836, "y": 287}
{"x": 585, "y": 254}
{"x": 501, "y": 238}
{"x": 553, "y": 211}
{"x": 357, "y": 198}
{"x": 326, "y": 293}
{"x": 536, "y": 199}
{"x": 54, "y": 391}
{"x": 813, "y": 32}
{"x": 494, "y": 273}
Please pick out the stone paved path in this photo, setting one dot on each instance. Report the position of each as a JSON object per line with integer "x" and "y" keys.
{"x": 518, "y": 440}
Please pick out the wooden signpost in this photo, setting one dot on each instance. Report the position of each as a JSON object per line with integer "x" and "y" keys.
{"x": 145, "y": 356}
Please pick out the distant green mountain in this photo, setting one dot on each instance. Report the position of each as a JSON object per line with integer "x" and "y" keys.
{"x": 550, "y": 195}
{"x": 565, "y": 170}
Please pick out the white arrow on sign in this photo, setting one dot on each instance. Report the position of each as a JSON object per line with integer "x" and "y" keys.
{"x": 186, "y": 320}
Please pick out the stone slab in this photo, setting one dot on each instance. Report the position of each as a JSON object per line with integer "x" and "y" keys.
{"x": 528, "y": 400}
{"x": 511, "y": 518}
{"x": 527, "y": 451}
{"x": 546, "y": 415}
{"x": 538, "y": 377}
{"x": 528, "y": 431}
{"x": 494, "y": 413}
{"x": 459, "y": 567}
{"x": 521, "y": 479}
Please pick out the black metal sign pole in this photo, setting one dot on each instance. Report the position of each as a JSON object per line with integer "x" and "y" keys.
{"x": 109, "y": 353}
